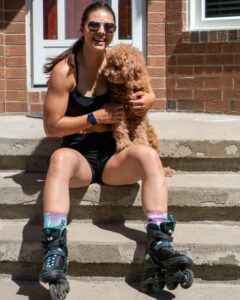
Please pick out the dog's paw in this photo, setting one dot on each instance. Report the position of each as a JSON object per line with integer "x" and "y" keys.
{"x": 168, "y": 172}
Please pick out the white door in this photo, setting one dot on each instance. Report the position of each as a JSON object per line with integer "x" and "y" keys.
{"x": 55, "y": 27}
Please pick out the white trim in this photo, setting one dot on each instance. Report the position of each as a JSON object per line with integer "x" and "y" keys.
{"x": 41, "y": 48}
{"x": 199, "y": 22}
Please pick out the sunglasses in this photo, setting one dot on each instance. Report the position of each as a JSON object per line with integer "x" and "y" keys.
{"x": 94, "y": 26}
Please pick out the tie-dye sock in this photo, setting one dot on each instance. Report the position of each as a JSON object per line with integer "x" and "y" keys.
{"x": 57, "y": 220}
{"x": 157, "y": 217}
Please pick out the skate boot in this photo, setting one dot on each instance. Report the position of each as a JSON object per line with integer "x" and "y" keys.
{"x": 55, "y": 262}
{"x": 164, "y": 265}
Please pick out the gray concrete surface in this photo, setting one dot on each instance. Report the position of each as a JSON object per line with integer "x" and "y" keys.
{"x": 110, "y": 289}
{"x": 168, "y": 125}
{"x": 207, "y": 243}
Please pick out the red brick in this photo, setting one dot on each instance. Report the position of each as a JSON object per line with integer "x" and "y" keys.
{"x": 16, "y": 107}
{"x": 34, "y": 97}
{"x": 15, "y": 51}
{"x": 207, "y": 70}
{"x": 190, "y": 60}
{"x": 174, "y": 6}
{"x": 208, "y": 48}
{"x": 16, "y": 73}
{"x": 2, "y": 95}
{"x": 36, "y": 108}
{"x": 184, "y": 94}
{"x": 231, "y": 95}
{"x": 179, "y": 71}
{"x": 218, "y": 106}
{"x": 2, "y": 84}
{"x": 16, "y": 96}
{"x": 222, "y": 36}
{"x": 236, "y": 83}
{"x": 173, "y": 28}
{"x": 156, "y": 39}
{"x": 15, "y": 28}
{"x": 15, "y": 39}
{"x": 15, "y": 5}
{"x": 156, "y": 6}
{"x": 159, "y": 105}
{"x": 156, "y": 61}
{"x": 186, "y": 105}
{"x": 156, "y": 17}
{"x": 233, "y": 71}
{"x": 14, "y": 16}
{"x": 16, "y": 84}
{"x": 16, "y": 62}
{"x": 2, "y": 107}
{"x": 236, "y": 106}
{"x": 156, "y": 50}
{"x": 231, "y": 48}
{"x": 157, "y": 71}
{"x": 172, "y": 60}
{"x": 2, "y": 73}
{"x": 221, "y": 59}
{"x": 195, "y": 83}
{"x": 221, "y": 83}
{"x": 158, "y": 83}
{"x": 173, "y": 39}
{"x": 160, "y": 93}
{"x": 208, "y": 95}
{"x": 156, "y": 28}
{"x": 237, "y": 59}
{"x": 184, "y": 49}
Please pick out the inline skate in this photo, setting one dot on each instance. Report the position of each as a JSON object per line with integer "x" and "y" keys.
{"x": 164, "y": 266}
{"x": 55, "y": 262}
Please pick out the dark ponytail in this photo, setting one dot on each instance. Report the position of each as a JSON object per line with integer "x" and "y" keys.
{"x": 68, "y": 54}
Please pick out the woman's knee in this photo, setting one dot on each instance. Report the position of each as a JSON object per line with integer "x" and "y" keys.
{"x": 62, "y": 160}
{"x": 146, "y": 155}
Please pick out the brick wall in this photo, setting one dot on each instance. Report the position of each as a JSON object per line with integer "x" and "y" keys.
{"x": 194, "y": 72}
{"x": 203, "y": 68}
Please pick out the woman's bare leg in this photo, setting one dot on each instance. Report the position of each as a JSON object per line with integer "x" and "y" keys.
{"x": 139, "y": 162}
{"x": 68, "y": 168}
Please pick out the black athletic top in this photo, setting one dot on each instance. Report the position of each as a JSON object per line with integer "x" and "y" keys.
{"x": 79, "y": 105}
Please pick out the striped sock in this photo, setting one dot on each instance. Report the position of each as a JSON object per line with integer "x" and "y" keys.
{"x": 157, "y": 217}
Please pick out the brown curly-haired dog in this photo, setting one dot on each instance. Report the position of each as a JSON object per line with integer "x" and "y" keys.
{"x": 126, "y": 73}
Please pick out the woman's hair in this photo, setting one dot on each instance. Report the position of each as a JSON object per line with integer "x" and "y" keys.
{"x": 70, "y": 53}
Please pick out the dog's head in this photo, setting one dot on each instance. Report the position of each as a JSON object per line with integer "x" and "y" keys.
{"x": 124, "y": 64}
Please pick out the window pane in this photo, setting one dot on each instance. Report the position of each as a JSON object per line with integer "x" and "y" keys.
{"x": 125, "y": 19}
{"x": 222, "y": 8}
{"x": 74, "y": 10}
{"x": 50, "y": 19}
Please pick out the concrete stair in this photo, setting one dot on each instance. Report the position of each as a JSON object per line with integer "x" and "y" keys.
{"x": 106, "y": 234}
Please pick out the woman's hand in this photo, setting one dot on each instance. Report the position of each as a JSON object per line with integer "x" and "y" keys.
{"x": 97, "y": 128}
{"x": 140, "y": 102}
{"x": 110, "y": 113}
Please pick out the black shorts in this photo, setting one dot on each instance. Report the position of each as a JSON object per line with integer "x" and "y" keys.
{"x": 97, "y": 157}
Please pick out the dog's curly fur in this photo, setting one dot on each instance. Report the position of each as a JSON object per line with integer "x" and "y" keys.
{"x": 126, "y": 73}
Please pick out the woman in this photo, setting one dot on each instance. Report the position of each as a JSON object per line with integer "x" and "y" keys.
{"x": 77, "y": 108}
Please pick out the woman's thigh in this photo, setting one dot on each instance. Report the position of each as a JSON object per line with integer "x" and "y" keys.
{"x": 127, "y": 166}
{"x": 73, "y": 164}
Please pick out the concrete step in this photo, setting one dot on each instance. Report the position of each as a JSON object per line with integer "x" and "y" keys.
{"x": 114, "y": 289}
{"x": 192, "y": 197}
{"x": 195, "y": 142}
{"x": 118, "y": 249}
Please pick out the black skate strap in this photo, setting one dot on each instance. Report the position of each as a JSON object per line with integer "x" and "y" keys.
{"x": 55, "y": 252}
{"x": 157, "y": 234}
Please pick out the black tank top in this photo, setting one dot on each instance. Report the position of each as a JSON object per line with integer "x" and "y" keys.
{"x": 79, "y": 105}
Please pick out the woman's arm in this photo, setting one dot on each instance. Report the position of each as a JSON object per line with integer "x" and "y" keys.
{"x": 140, "y": 102}
{"x": 56, "y": 124}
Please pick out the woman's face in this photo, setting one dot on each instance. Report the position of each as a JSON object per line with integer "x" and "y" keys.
{"x": 99, "y": 29}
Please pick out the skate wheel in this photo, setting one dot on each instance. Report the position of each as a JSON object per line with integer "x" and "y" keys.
{"x": 59, "y": 290}
{"x": 187, "y": 280}
{"x": 145, "y": 287}
{"x": 53, "y": 291}
{"x": 158, "y": 286}
{"x": 171, "y": 285}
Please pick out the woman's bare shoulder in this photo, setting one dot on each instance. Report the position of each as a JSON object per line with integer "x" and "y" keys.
{"x": 62, "y": 74}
